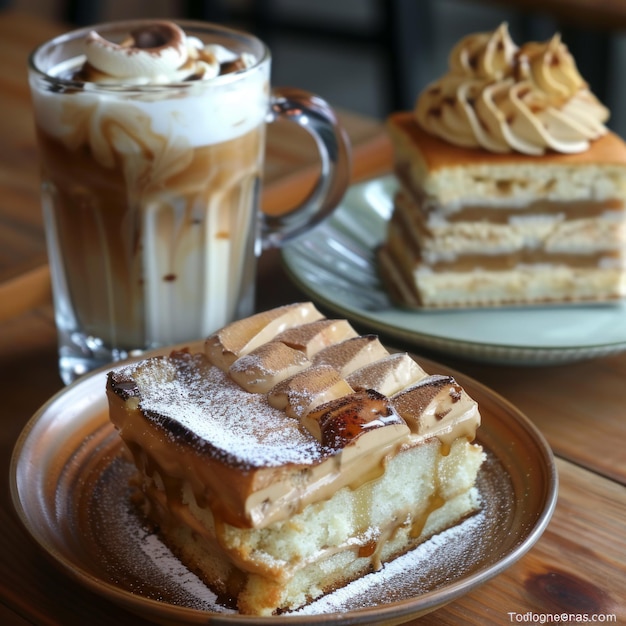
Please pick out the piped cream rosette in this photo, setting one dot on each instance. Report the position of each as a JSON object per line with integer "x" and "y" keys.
{"x": 157, "y": 53}
{"x": 503, "y": 98}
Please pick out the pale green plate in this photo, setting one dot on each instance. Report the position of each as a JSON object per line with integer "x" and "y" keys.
{"x": 335, "y": 264}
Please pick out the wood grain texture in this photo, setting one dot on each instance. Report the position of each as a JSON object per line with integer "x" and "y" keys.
{"x": 562, "y": 573}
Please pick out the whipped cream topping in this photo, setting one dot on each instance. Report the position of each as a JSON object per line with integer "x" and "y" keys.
{"x": 157, "y": 53}
{"x": 504, "y": 98}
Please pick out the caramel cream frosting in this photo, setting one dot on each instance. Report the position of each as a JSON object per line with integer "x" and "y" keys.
{"x": 502, "y": 98}
{"x": 478, "y": 228}
{"x": 256, "y": 446}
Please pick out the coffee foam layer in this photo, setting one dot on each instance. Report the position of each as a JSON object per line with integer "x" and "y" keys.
{"x": 197, "y": 114}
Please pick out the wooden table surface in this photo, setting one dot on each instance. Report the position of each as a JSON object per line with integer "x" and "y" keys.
{"x": 579, "y": 564}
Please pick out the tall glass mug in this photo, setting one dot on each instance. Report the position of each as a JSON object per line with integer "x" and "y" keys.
{"x": 152, "y": 149}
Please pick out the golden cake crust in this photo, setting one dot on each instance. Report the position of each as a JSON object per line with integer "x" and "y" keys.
{"x": 438, "y": 154}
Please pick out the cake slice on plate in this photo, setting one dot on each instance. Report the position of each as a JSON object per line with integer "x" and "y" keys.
{"x": 512, "y": 190}
{"x": 293, "y": 456}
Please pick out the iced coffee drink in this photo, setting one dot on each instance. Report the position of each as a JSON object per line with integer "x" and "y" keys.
{"x": 152, "y": 141}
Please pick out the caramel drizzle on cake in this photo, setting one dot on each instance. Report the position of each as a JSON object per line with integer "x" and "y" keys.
{"x": 293, "y": 456}
{"x": 283, "y": 392}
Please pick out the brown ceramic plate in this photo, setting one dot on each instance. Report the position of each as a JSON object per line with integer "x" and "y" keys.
{"x": 69, "y": 487}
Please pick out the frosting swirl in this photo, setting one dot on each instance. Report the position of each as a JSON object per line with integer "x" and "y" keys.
{"x": 504, "y": 98}
{"x": 157, "y": 53}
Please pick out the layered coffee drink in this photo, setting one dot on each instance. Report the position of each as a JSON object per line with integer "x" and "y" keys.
{"x": 151, "y": 145}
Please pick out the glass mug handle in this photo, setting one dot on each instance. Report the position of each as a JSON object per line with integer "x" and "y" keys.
{"x": 316, "y": 117}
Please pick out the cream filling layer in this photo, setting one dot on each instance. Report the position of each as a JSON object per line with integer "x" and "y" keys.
{"x": 280, "y": 551}
{"x": 537, "y": 238}
{"x": 523, "y": 285}
{"x": 220, "y": 421}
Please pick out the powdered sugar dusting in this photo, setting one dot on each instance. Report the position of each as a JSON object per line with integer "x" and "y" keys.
{"x": 238, "y": 426}
{"x": 139, "y": 562}
{"x": 191, "y": 586}
{"x": 446, "y": 556}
